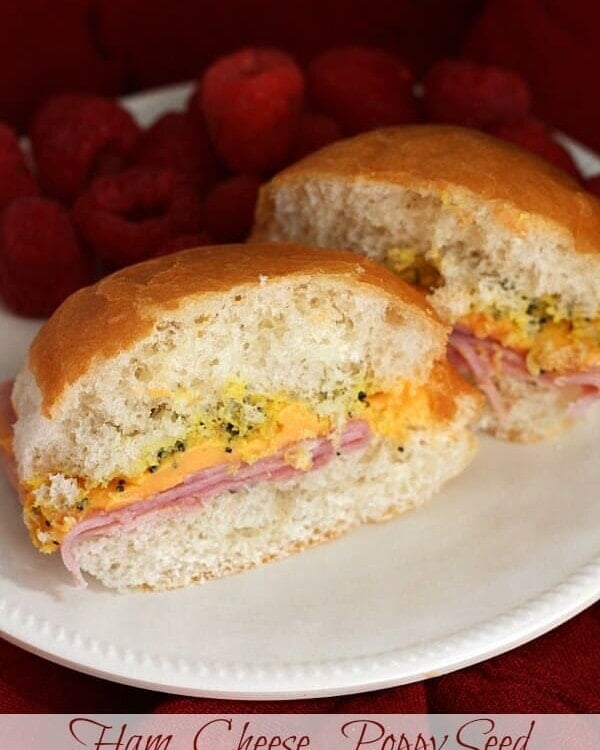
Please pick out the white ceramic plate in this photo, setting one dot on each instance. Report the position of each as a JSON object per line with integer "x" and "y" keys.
{"x": 506, "y": 552}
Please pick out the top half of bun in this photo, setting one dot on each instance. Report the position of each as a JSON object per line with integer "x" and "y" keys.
{"x": 102, "y": 321}
{"x": 465, "y": 165}
{"x": 489, "y": 216}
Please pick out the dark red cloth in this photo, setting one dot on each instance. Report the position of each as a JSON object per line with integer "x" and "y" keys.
{"x": 159, "y": 40}
{"x": 556, "y": 673}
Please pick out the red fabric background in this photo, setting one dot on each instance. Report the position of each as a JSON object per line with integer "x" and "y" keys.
{"x": 557, "y": 673}
{"x": 115, "y": 46}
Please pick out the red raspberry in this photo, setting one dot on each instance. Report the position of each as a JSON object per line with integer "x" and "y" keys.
{"x": 534, "y": 136}
{"x": 175, "y": 140}
{"x": 77, "y": 138}
{"x": 16, "y": 180}
{"x": 183, "y": 242}
{"x": 593, "y": 185}
{"x": 228, "y": 210}
{"x": 123, "y": 218}
{"x": 473, "y": 95}
{"x": 40, "y": 259}
{"x": 314, "y": 131}
{"x": 362, "y": 88}
{"x": 251, "y": 100}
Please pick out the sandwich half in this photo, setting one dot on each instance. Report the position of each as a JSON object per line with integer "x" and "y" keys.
{"x": 506, "y": 246}
{"x": 204, "y": 412}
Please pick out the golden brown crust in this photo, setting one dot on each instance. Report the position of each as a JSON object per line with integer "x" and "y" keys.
{"x": 453, "y": 159}
{"x": 97, "y": 322}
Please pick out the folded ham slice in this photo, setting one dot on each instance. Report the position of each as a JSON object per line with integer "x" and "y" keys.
{"x": 204, "y": 485}
{"x": 483, "y": 358}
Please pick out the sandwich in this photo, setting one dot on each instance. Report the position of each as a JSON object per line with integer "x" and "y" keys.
{"x": 506, "y": 247}
{"x": 204, "y": 412}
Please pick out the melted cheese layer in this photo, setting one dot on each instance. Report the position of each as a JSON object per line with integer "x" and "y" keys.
{"x": 557, "y": 346}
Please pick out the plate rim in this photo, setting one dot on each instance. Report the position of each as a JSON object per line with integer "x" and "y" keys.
{"x": 309, "y": 679}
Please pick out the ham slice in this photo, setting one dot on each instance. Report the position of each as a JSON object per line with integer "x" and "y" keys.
{"x": 482, "y": 358}
{"x": 199, "y": 488}
{"x": 466, "y": 350}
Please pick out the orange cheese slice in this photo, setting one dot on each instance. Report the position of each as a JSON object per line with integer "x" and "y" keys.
{"x": 293, "y": 423}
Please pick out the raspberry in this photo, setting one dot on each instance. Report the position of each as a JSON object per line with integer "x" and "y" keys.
{"x": 183, "y": 242}
{"x": 40, "y": 259}
{"x": 177, "y": 141}
{"x": 16, "y": 180}
{"x": 251, "y": 101}
{"x": 593, "y": 185}
{"x": 473, "y": 95}
{"x": 123, "y": 218}
{"x": 534, "y": 136}
{"x": 77, "y": 138}
{"x": 228, "y": 210}
{"x": 362, "y": 88}
{"x": 313, "y": 132}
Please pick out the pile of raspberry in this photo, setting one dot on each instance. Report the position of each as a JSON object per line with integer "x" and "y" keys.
{"x": 95, "y": 192}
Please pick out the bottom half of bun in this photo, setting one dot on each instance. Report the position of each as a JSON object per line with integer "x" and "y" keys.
{"x": 236, "y": 531}
{"x": 530, "y": 413}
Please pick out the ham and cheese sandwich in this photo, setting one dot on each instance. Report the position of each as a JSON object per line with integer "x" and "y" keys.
{"x": 507, "y": 247}
{"x": 204, "y": 412}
